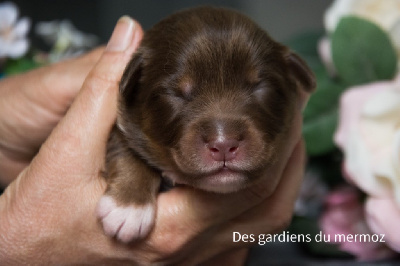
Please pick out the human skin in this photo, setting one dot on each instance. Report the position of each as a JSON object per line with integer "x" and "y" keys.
{"x": 31, "y": 104}
{"x": 47, "y": 214}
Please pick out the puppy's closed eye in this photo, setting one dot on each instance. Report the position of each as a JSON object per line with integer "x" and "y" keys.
{"x": 260, "y": 91}
{"x": 206, "y": 102}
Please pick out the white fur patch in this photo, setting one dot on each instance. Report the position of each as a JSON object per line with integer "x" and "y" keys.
{"x": 128, "y": 223}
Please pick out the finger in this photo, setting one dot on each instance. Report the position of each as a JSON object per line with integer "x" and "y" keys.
{"x": 51, "y": 87}
{"x": 55, "y": 180}
{"x": 58, "y": 84}
{"x": 61, "y": 82}
{"x": 82, "y": 134}
{"x": 34, "y": 102}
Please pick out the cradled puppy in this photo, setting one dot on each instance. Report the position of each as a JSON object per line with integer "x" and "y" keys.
{"x": 206, "y": 101}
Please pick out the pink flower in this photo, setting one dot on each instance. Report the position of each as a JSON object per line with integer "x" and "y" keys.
{"x": 369, "y": 135}
{"x": 344, "y": 216}
{"x": 383, "y": 216}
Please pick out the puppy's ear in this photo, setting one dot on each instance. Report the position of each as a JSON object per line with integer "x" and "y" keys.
{"x": 130, "y": 79}
{"x": 301, "y": 72}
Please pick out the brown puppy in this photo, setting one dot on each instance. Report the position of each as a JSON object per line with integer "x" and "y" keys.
{"x": 206, "y": 101}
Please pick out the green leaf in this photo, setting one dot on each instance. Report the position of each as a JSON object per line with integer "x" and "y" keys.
{"x": 362, "y": 52}
{"x": 15, "y": 66}
{"x": 321, "y": 115}
{"x": 318, "y": 134}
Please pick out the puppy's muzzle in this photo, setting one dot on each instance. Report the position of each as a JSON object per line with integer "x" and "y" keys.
{"x": 223, "y": 139}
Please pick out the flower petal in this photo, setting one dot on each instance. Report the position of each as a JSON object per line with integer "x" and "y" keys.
{"x": 18, "y": 48}
{"x": 3, "y": 48}
{"x": 22, "y": 27}
{"x": 47, "y": 28}
{"x": 325, "y": 53}
{"x": 384, "y": 104}
{"x": 395, "y": 164}
{"x": 8, "y": 15}
{"x": 383, "y": 217}
{"x": 394, "y": 32}
{"x": 358, "y": 139}
{"x": 389, "y": 168}
{"x": 358, "y": 164}
{"x": 351, "y": 103}
{"x": 335, "y": 12}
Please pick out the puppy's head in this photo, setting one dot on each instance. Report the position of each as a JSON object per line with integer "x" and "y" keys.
{"x": 208, "y": 98}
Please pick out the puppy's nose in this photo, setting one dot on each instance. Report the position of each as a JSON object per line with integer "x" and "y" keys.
{"x": 223, "y": 149}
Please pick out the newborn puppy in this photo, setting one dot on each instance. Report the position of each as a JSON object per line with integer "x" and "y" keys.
{"x": 206, "y": 101}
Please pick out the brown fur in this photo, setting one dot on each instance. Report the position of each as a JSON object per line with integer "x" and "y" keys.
{"x": 196, "y": 73}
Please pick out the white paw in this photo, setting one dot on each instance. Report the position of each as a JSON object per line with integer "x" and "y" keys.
{"x": 125, "y": 223}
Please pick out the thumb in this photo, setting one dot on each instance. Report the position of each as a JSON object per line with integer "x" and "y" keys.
{"x": 80, "y": 138}
{"x": 58, "y": 177}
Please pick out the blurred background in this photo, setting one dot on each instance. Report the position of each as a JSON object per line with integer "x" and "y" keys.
{"x": 299, "y": 24}
{"x": 282, "y": 19}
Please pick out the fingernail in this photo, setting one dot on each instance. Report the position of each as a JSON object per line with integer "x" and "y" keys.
{"x": 122, "y": 35}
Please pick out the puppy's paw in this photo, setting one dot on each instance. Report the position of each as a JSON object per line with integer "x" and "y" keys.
{"x": 126, "y": 223}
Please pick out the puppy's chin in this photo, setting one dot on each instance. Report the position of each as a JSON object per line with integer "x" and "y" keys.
{"x": 221, "y": 181}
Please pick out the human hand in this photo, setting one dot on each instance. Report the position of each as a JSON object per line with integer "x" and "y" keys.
{"x": 31, "y": 104}
{"x": 47, "y": 215}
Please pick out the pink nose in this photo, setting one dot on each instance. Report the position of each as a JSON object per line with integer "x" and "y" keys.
{"x": 223, "y": 149}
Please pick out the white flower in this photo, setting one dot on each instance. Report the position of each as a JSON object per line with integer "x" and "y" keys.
{"x": 384, "y": 13}
{"x": 13, "y": 42}
{"x": 67, "y": 41}
{"x": 369, "y": 134}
